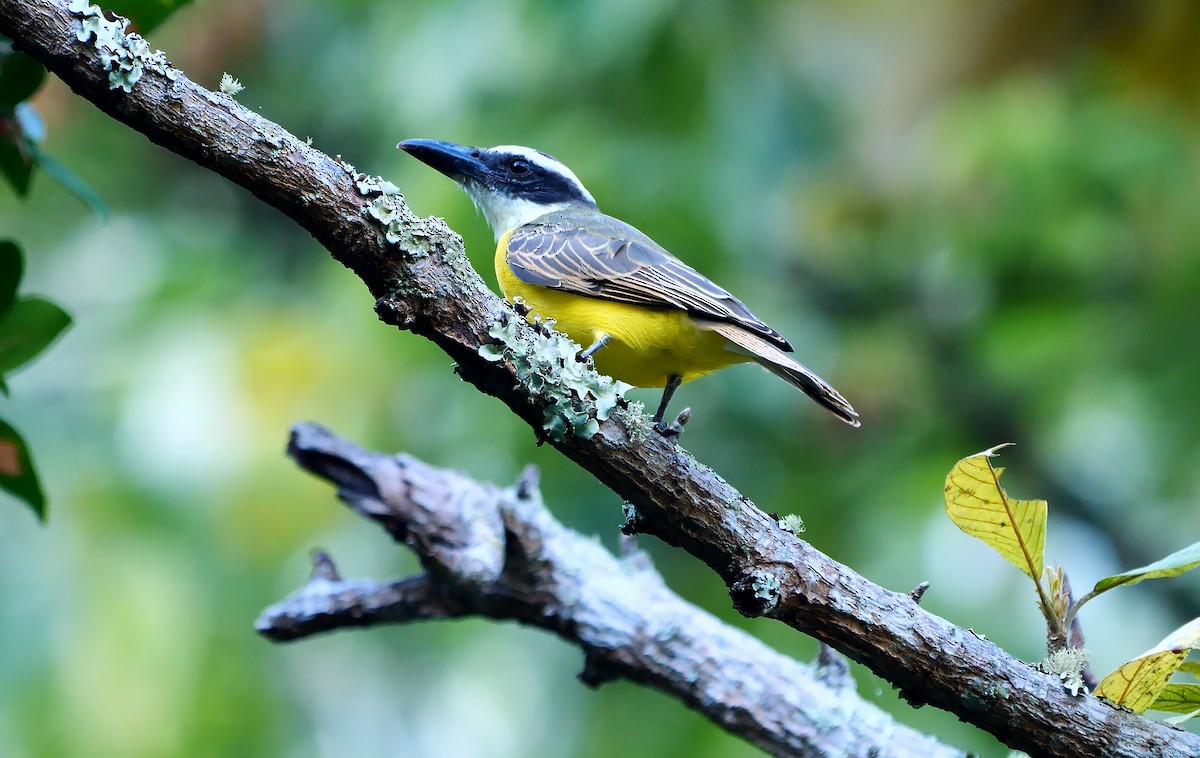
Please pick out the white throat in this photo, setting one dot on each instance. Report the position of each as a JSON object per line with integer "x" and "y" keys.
{"x": 504, "y": 213}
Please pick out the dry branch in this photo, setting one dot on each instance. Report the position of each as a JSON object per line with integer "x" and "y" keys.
{"x": 423, "y": 284}
{"x": 499, "y": 553}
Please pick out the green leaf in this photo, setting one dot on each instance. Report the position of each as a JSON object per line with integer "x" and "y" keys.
{"x": 20, "y": 77}
{"x": 1178, "y": 698}
{"x": 16, "y": 160}
{"x": 19, "y": 134}
{"x": 1173, "y": 565}
{"x": 72, "y": 182}
{"x": 28, "y": 329}
{"x": 17, "y": 474}
{"x": 11, "y": 267}
{"x": 20, "y": 154}
{"x": 146, "y": 14}
{"x": 977, "y": 504}
{"x": 1191, "y": 667}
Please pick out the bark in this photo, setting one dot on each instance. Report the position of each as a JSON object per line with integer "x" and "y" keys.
{"x": 424, "y": 284}
{"x": 499, "y": 553}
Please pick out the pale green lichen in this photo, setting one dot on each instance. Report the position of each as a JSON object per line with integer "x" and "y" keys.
{"x": 389, "y": 210}
{"x": 766, "y": 587}
{"x": 792, "y": 523}
{"x": 230, "y": 86}
{"x": 126, "y": 57}
{"x": 400, "y": 225}
{"x": 637, "y": 421}
{"x": 1068, "y": 664}
{"x": 547, "y": 365}
{"x": 416, "y": 237}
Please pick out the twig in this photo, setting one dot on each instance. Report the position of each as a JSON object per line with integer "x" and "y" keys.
{"x": 918, "y": 592}
{"x": 323, "y": 605}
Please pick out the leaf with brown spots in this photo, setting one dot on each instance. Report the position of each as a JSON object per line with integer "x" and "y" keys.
{"x": 977, "y": 504}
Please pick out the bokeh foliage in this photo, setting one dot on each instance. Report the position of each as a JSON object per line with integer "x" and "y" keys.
{"x": 977, "y": 221}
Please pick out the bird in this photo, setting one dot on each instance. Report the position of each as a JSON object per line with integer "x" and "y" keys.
{"x": 647, "y": 318}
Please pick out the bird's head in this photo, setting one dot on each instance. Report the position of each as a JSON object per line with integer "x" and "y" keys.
{"x": 512, "y": 185}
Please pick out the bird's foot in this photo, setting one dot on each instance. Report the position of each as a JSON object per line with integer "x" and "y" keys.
{"x": 585, "y": 356}
{"x": 672, "y": 430}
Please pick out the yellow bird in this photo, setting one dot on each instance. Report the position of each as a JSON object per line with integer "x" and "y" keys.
{"x": 648, "y": 318}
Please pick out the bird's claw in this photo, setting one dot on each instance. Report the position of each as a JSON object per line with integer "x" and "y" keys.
{"x": 672, "y": 430}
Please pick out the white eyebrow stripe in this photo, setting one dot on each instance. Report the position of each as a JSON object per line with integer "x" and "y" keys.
{"x": 545, "y": 161}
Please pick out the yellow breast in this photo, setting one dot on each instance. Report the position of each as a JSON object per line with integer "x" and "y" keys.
{"x": 648, "y": 345}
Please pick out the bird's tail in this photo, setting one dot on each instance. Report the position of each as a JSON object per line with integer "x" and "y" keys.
{"x": 778, "y": 362}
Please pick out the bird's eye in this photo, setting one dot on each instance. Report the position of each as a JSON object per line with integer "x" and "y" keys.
{"x": 518, "y": 167}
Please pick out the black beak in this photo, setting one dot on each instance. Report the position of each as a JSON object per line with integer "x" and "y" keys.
{"x": 455, "y": 161}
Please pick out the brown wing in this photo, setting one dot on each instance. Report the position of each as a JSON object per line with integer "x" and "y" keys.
{"x": 611, "y": 260}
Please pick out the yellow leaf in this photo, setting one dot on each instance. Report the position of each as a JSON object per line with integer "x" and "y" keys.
{"x": 1138, "y": 683}
{"x": 975, "y": 501}
{"x": 1141, "y": 682}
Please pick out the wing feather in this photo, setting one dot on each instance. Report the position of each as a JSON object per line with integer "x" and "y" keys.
{"x": 796, "y": 374}
{"x": 611, "y": 260}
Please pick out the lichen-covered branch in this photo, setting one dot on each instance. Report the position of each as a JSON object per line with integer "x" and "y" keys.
{"x": 499, "y": 553}
{"x": 416, "y": 270}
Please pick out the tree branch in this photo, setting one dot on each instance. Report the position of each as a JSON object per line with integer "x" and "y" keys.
{"x": 326, "y": 605}
{"x": 499, "y": 553}
{"x": 424, "y": 284}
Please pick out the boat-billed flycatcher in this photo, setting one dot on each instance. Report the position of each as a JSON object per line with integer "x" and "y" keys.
{"x": 648, "y": 318}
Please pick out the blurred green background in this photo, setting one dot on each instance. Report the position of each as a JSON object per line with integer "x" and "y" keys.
{"x": 978, "y": 221}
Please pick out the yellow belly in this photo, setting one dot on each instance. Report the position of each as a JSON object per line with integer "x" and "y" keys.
{"x": 649, "y": 345}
